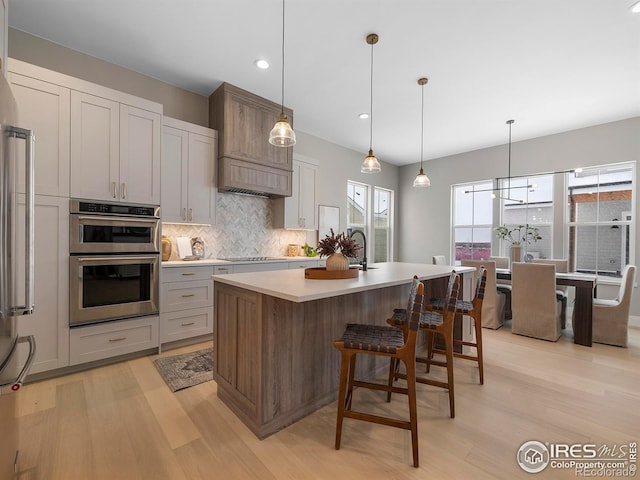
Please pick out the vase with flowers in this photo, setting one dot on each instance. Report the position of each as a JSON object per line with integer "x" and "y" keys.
{"x": 516, "y": 236}
{"x": 338, "y": 249}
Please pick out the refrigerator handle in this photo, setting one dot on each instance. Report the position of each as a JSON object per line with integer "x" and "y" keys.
{"x": 17, "y": 383}
{"x": 29, "y": 219}
{"x": 30, "y": 139}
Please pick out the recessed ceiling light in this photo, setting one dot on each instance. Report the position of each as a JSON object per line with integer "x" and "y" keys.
{"x": 635, "y": 8}
{"x": 363, "y": 116}
{"x": 262, "y": 64}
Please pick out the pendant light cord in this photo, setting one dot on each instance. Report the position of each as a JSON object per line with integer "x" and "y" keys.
{"x": 422, "y": 127}
{"x": 509, "y": 122}
{"x": 282, "y": 93}
{"x": 371, "y": 102}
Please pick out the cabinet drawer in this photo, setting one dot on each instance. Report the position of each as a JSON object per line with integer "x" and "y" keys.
{"x": 179, "y": 295}
{"x": 95, "y": 342}
{"x": 223, "y": 269}
{"x": 186, "y": 274}
{"x": 303, "y": 264}
{"x": 186, "y": 324}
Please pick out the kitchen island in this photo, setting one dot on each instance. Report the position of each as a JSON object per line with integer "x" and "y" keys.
{"x": 274, "y": 359}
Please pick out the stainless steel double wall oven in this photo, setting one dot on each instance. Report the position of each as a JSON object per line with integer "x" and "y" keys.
{"x": 114, "y": 261}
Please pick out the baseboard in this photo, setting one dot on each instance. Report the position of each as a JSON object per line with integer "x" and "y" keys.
{"x": 634, "y": 321}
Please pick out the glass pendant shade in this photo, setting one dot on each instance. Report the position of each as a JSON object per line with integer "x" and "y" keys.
{"x": 282, "y": 135}
{"x": 370, "y": 164}
{"x": 422, "y": 180}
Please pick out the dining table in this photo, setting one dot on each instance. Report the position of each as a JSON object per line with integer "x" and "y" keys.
{"x": 585, "y": 285}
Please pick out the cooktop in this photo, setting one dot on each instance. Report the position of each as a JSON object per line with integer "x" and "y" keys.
{"x": 249, "y": 259}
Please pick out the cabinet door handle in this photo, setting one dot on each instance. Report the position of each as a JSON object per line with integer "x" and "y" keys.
{"x": 187, "y": 274}
{"x": 124, "y": 190}
{"x": 184, "y": 213}
{"x": 190, "y": 214}
{"x": 119, "y": 339}
{"x": 186, "y": 295}
{"x": 113, "y": 190}
{"x": 188, "y": 324}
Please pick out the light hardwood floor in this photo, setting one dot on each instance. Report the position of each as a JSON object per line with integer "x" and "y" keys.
{"x": 122, "y": 422}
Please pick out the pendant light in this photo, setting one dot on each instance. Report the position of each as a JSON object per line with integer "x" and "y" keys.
{"x": 421, "y": 179}
{"x": 371, "y": 164}
{"x": 282, "y": 135}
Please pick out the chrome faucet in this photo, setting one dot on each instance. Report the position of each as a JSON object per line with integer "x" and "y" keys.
{"x": 364, "y": 241}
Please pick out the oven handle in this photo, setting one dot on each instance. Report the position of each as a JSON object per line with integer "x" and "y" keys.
{"x": 117, "y": 220}
{"x": 116, "y": 258}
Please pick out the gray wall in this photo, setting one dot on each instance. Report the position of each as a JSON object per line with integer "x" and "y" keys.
{"x": 178, "y": 103}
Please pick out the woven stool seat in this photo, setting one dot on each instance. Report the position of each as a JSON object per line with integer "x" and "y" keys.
{"x": 375, "y": 338}
{"x": 462, "y": 306}
{"x": 430, "y": 319}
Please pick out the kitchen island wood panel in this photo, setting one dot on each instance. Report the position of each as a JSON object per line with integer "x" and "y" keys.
{"x": 274, "y": 357}
{"x": 275, "y": 361}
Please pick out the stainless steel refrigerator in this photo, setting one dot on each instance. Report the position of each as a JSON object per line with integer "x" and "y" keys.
{"x": 16, "y": 270}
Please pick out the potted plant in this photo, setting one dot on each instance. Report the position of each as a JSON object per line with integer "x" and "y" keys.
{"x": 516, "y": 236}
{"x": 338, "y": 249}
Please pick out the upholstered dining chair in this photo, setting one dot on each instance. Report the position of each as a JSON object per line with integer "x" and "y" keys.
{"x": 439, "y": 260}
{"x": 535, "y": 308}
{"x": 398, "y": 344}
{"x": 493, "y": 303}
{"x": 611, "y": 317}
{"x": 562, "y": 291}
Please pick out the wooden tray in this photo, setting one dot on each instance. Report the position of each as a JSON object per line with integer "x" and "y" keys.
{"x": 321, "y": 273}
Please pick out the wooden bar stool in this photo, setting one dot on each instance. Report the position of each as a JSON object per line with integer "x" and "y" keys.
{"x": 391, "y": 342}
{"x": 472, "y": 309}
{"x": 434, "y": 322}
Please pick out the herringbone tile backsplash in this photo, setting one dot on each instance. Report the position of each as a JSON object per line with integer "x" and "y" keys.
{"x": 243, "y": 229}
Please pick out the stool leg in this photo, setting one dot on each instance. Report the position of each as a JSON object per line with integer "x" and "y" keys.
{"x": 448, "y": 343}
{"x": 392, "y": 376}
{"x": 344, "y": 373}
{"x": 413, "y": 415}
{"x": 478, "y": 326}
{"x": 431, "y": 338}
{"x": 352, "y": 373}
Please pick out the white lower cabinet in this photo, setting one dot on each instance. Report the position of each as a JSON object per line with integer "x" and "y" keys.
{"x": 105, "y": 340}
{"x": 186, "y": 302}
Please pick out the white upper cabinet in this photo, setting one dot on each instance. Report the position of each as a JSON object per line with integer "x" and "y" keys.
{"x": 44, "y": 108}
{"x": 140, "y": 144}
{"x": 300, "y": 211}
{"x": 115, "y": 151}
{"x": 188, "y": 173}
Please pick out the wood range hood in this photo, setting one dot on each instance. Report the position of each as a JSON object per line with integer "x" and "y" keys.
{"x": 247, "y": 163}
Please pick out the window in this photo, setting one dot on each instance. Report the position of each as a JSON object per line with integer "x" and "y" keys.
{"x": 382, "y": 233}
{"x": 374, "y": 216}
{"x": 472, "y": 221}
{"x": 600, "y": 227}
{"x": 529, "y": 200}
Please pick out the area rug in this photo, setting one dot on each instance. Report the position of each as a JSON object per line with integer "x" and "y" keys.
{"x": 187, "y": 369}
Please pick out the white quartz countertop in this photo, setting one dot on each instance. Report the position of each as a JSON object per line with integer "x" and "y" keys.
{"x": 217, "y": 261}
{"x": 293, "y": 286}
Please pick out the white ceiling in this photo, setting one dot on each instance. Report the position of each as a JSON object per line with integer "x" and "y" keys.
{"x": 552, "y": 65}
